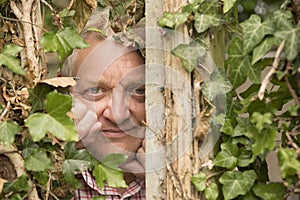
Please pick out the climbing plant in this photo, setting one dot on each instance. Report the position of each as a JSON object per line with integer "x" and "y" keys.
{"x": 257, "y": 58}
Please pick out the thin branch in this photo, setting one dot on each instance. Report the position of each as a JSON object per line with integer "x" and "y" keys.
{"x": 5, "y": 111}
{"x": 16, "y": 10}
{"x": 292, "y": 91}
{"x": 17, "y": 20}
{"x": 275, "y": 64}
{"x": 70, "y": 5}
{"x": 291, "y": 142}
{"x": 48, "y": 5}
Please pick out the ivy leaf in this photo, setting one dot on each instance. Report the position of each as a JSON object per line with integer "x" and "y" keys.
{"x": 227, "y": 157}
{"x": 38, "y": 161}
{"x": 263, "y": 48}
{"x": 254, "y": 31}
{"x": 292, "y": 41}
{"x": 204, "y": 21}
{"x": 171, "y": 20}
{"x": 56, "y": 121}
{"x": 41, "y": 177}
{"x": 199, "y": 181}
{"x": 9, "y": 59}
{"x": 261, "y": 119}
{"x": 76, "y": 161}
{"x": 271, "y": 191}
{"x": 189, "y": 54}
{"x": 283, "y": 19}
{"x": 288, "y": 162}
{"x": 21, "y": 184}
{"x": 228, "y": 4}
{"x": 264, "y": 139}
{"x": 241, "y": 127}
{"x": 111, "y": 176}
{"x": 237, "y": 183}
{"x": 211, "y": 192}
{"x": 239, "y": 64}
{"x": 114, "y": 160}
{"x": 8, "y": 130}
{"x": 37, "y": 96}
{"x": 63, "y": 42}
{"x": 217, "y": 85}
{"x": 99, "y": 198}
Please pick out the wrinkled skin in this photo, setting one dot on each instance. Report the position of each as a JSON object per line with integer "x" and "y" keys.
{"x": 109, "y": 105}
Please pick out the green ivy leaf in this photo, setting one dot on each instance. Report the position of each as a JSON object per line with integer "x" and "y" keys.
{"x": 292, "y": 41}
{"x": 244, "y": 157}
{"x": 241, "y": 127}
{"x": 170, "y": 20}
{"x": 99, "y": 198}
{"x": 254, "y": 31}
{"x": 9, "y": 59}
{"x": 189, "y": 54}
{"x": 38, "y": 161}
{"x": 271, "y": 191}
{"x": 199, "y": 181}
{"x": 76, "y": 161}
{"x": 63, "y": 42}
{"x": 293, "y": 110}
{"x": 237, "y": 183}
{"x": 204, "y": 21}
{"x": 264, "y": 139}
{"x": 217, "y": 85}
{"x": 21, "y": 184}
{"x": 41, "y": 177}
{"x": 239, "y": 65}
{"x": 288, "y": 162}
{"x": 283, "y": 19}
{"x": 56, "y": 121}
{"x": 228, "y": 4}
{"x": 227, "y": 157}
{"x": 261, "y": 119}
{"x": 263, "y": 48}
{"x": 114, "y": 160}
{"x": 111, "y": 176}
{"x": 211, "y": 192}
{"x": 37, "y": 96}
{"x": 8, "y": 130}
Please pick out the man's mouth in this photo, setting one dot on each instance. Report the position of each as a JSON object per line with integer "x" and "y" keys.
{"x": 115, "y": 133}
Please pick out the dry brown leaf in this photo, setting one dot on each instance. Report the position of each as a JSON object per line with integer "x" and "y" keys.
{"x": 60, "y": 81}
{"x": 83, "y": 10}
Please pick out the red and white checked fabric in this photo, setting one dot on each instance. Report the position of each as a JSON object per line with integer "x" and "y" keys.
{"x": 136, "y": 190}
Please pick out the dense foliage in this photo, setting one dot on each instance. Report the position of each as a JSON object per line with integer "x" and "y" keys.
{"x": 260, "y": 74}
{"x": 37, "y": 133}
{"x": 257, "y": 42}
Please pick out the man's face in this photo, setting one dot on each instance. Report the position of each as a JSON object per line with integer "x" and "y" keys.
{"x": 111, "y": 83}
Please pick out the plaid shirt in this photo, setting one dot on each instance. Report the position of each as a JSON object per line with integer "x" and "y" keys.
{"x": 136, "y": 190}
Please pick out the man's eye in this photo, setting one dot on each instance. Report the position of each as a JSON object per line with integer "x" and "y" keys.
{"x": 94, "y": 90}
{"x": 139, "y": 91}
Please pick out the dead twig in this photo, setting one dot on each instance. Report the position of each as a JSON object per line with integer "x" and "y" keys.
{"x": 292, "y": 91}
{"x": 5, "y": 111}
{"x": 275, "y": 64}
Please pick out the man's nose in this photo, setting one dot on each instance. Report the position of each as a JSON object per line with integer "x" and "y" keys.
{"x": 117, "y": 109}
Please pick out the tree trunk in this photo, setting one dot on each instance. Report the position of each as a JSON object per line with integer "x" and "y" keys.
{"x": 177, "y": 116}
